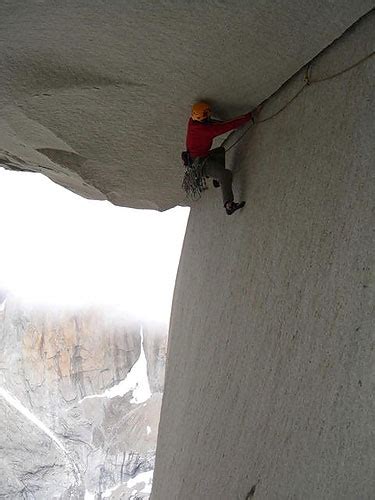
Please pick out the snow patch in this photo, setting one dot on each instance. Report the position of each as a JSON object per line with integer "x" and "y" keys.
{"x": 148, "y": 430}
{"x": 142, "y": 480}
{"x": 108, "y": 493}
{"x": 143, "y": 477}
{"x": 135, "y": 381}
{"x": 15, "y": 403}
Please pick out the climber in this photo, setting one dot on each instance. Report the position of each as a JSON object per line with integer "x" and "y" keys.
{"x": 202, "y": 129}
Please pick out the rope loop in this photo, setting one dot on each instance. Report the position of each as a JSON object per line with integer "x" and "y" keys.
{"x": 308, "y": 81}
{"x": 194, "y": 182}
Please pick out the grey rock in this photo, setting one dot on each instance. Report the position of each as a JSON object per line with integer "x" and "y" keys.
{"x": 54, "y": 362}
{"x": 276, "y": 337}
{"x": 87, "y": 84}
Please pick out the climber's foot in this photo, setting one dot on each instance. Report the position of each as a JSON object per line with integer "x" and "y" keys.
{"x": 216, "y": 183}
{"x": 232, "y": 206}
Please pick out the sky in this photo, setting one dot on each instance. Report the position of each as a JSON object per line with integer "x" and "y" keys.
{"x": 59, "y": 249}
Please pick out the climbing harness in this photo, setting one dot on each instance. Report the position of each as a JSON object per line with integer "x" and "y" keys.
{"x": 308, "y": 81}
{"x": 194, "y": 182}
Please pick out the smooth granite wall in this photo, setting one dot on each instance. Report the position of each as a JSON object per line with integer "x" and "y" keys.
{"x": 271, "y": 368}
{"x": 96, "y": 94}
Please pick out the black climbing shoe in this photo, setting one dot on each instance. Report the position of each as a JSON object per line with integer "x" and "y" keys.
{"x": 216, "y": 183}
{"x": 232, "y": 206}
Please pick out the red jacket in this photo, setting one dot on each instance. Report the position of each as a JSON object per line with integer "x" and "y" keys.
{"x": 200, "y": 136}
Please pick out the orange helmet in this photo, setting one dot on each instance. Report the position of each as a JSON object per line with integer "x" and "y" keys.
{"x": 200, "y": 111}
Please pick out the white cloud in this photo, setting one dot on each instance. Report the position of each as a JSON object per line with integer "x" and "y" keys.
{"x": 59, "y": 248}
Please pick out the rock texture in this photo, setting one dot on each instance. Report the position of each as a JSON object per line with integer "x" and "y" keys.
{"x": 96, "y": 94}
{"x": 64, "y": 367}
{"x": 270, "y": 374}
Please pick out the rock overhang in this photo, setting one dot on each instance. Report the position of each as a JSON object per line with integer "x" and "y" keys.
{"x": 96, "y": 96}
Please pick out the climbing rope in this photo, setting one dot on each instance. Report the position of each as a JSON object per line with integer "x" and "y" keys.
{"x": 194, "y": 183}
{"x": 344, "y": 70}
{"x": 308, "y": 81}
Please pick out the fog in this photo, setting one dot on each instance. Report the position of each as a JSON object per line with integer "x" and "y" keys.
{"x": 59, "y": 250}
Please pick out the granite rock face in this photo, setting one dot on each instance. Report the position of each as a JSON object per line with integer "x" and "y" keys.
{"x": 269, "y": 355}
{"x": 270, "y": 375}
{"x": 96, "y": 94}
{"x": 94, "y": 385}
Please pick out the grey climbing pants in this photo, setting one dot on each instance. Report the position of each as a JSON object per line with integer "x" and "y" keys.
{"x": 214, "y": 167}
